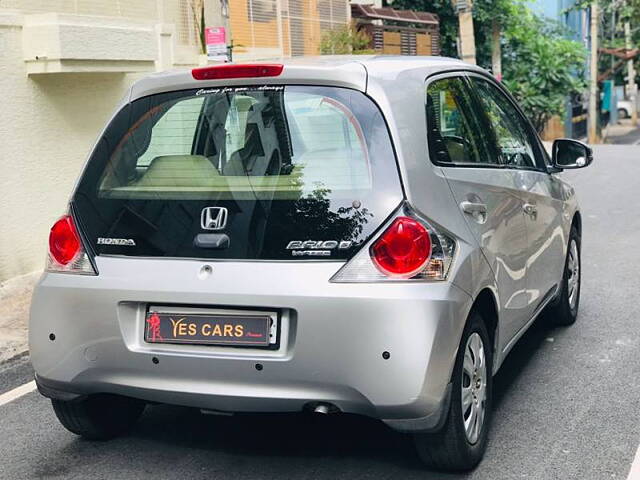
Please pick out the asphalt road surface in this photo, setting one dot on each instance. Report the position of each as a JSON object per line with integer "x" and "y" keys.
{"x": 631, "y": 138}
{"x": 567, "y": 400}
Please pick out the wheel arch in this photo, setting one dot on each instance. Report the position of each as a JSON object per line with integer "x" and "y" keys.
{"x": 577, "y": 222}
{"x": 487, "y": 306}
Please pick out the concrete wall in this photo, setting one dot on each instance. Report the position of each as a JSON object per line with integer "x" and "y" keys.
{"x": 48, "y": 124}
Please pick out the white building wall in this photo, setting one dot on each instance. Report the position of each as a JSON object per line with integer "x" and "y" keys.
{"x": 49, "y": 121}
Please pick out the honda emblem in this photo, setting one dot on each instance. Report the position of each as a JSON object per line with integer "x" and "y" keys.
{"x": 213, "y": 218}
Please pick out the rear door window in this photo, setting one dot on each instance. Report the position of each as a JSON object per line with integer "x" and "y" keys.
{"x": 454, "y": 134}
{"x": 300, "y": 172}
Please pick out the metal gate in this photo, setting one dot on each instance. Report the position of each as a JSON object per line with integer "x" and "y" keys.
{"x": 282, "y": 28}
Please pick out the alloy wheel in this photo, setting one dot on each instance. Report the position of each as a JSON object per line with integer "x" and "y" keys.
{"x": 474, "y": 387}
{"x": 573, "y": 277}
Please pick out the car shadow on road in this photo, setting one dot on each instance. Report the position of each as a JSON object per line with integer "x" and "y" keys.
{"x": 334, "y": 446}
{"x": 341, "y": 441}
{"x": 518, "y": 359}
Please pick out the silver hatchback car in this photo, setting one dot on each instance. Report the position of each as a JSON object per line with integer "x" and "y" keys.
{"x": 351, "y": 234}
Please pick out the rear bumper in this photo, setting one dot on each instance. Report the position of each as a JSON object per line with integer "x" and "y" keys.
{"x": 332, "y": 340}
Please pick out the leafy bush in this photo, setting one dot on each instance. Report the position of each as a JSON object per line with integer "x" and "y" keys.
{"x": 345, "y": 40}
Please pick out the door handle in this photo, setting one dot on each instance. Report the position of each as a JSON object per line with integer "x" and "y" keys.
{"x": 472, "y": 207}
{"x": 530, "y": 209}
{"x": 478, "y": 211}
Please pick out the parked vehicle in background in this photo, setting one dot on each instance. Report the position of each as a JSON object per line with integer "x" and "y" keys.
{"x": 360, "y": 235}
{"x": 624, "y": 109}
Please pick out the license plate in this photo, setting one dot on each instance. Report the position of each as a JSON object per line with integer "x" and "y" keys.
{"x": 208, "y": 329}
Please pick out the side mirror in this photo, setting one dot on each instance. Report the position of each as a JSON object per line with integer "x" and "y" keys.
{"x": 567, "y": 153}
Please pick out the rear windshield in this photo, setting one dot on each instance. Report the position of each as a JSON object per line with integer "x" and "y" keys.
{"x": 266, "y": 172}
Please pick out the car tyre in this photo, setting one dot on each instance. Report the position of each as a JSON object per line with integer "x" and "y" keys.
{"x": 622, "y": 113}
{"x": 564, "y": 311}
{"x": 453, "y": 448}
{"x": 99, "y": 417}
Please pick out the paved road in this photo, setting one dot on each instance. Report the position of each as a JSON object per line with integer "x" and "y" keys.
{"x": 630, "y": 138}
{"x": 567, "y": 399}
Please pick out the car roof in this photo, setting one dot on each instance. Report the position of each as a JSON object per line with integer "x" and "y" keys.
{"x": 351, "y": 71}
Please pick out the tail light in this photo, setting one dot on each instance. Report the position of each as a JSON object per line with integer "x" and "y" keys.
{"x": 66, "y": 253}
{"x": 220, "y": 72}
{"x": 409, "y": 249}
{"x": 403, "y": 249}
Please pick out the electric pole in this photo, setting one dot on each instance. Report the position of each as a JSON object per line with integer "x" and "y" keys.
{"x": 631, "y": 74}
{"x": 592, "y": 118}
{"x": 496, "y": 51}
{"x": 466, "y": 34}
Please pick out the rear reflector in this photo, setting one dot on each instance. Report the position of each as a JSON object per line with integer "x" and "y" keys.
{"x": 219, "y": 72}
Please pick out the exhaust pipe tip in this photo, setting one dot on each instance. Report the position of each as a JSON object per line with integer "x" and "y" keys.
{"x": 322, "y": 409}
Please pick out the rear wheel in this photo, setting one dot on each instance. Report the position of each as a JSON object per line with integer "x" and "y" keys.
{"x": 564, "y": 311}
{"x": 99, "y": 417}
{"x": 462, "y": 441}
{"x": 622, "y": 113}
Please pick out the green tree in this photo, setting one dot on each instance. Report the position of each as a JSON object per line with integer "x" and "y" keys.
{"x": 484, "y": 13}
{"x": 541, "y": 67}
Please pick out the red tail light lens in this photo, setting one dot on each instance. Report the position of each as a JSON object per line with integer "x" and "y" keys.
{"x": 403, "y": 249}
{"x": 218, "y": 72}
{"x": 64, "y": 241}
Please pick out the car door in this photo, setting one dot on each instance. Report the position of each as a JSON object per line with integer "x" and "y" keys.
{"x": 540, "y": 191}
{"x": 487, "y": 193}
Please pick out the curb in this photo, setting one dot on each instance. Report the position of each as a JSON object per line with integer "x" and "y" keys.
{"x": 17, "y": 284}
{"x": 15, "y": 358}
{"x": 15, "y": 299}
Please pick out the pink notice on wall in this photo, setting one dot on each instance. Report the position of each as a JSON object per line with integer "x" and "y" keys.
{"x": 216, "y": 40}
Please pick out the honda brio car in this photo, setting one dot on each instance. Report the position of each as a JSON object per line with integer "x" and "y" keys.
{"x": 368, "y": 235}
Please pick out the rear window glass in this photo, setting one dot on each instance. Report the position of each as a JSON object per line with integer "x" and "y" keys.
{"x": 272, "y": 144}
{"x": 289, "y": 166}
